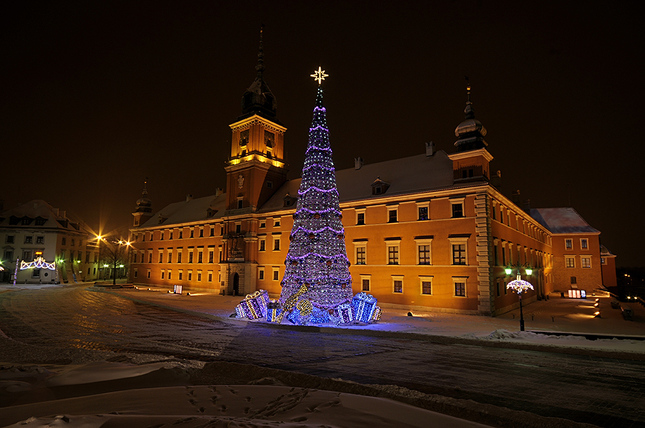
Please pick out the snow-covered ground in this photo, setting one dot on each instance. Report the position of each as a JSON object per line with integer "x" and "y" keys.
{"x": 91, "y": 393}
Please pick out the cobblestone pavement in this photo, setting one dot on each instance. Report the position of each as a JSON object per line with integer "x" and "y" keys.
{"x": 603, "y": 391}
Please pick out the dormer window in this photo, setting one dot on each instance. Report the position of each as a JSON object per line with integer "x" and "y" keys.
{"x": 379, "y": 186}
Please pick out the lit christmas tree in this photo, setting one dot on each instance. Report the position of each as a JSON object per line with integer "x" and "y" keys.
{"x": 317, "y": 286}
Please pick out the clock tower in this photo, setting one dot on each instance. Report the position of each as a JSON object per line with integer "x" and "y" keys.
{"x": 254, "y": 171}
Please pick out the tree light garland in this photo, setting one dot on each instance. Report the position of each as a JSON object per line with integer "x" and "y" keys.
{"x": 519, "y": 286}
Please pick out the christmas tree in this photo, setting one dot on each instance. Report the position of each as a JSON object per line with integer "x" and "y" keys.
{"x": 317, "y": 286}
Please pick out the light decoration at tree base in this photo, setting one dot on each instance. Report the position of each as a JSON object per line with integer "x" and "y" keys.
{"x": 37, "y": 263}
{"x": 253, "y": 306}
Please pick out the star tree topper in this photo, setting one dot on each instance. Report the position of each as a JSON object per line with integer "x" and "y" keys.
{"x": 319, "y": 75}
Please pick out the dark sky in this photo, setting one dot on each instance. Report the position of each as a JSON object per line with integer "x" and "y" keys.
{"x": 99, "y": 95}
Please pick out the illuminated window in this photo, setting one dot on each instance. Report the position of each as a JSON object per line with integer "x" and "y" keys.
{"x": 423, "y": 213}
{"x": 424, "y": 248}
{"x": 570, "y": 261}
{"x": 393, "y": 254}
{"x": 585, "y": 262}
{"x": 459, "y": 254}
{"x": 361, "y": 252}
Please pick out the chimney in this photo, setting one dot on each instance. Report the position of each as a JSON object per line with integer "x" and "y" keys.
{"x": 358, "y": 163}
{"x": 430, "y": 148}
{"x": 515, "y": 197}
{"x": 189, "y": 197}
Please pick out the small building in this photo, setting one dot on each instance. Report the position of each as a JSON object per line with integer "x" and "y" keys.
{"x": 43, "y": 244}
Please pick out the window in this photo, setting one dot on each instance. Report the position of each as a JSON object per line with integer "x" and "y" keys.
{"x": 574, "y": 280}
{"x": 240, "y": 203}
{"x": 276, "y": 244}
{"x": 392, "y": 215}
{"x": 360, "y": 218}
{"x": 8, "y": 254}
{"x": 160, "y": 257}
{"x": 150, "y": 257}
{"x": 212, "y": 233}
{"x": 366, "y": 282}
{"x": 40, "y": 239}
{"x": 190, "y": 275}
{"x": 181, "y": 275}
{"x": 29, "y": 239}
{"x": 585, "y": 262}
{"x": 199, "y": 276}
{"x": 263, "y": 244}
{"x": 148, "y": 274}
{"x": 423, "y": 213}
{"x": 163, "y": 274}
{"x": 64, "y": 241}
{"x": 568, "y": 244}
{"x": 393, "y": 254}
{"x": 459, "y": 254}
{"x": 190, "y": 257}
{"x": 161, "y": 237}
{"x": 397, "y": 284}
{"x": 181, "y": 234}
{"x": 276, "y": 274}
{"x": 10, "y": 239}
{"x": 361, "y": 255}
{"x": 263, "y": 224}
{"x": 211, "y": 256}
{"x": 169, "y": 274}
{"x": 200, "y": 257}
{"x": 192, "y": 233}
{"x": 178, "y": 256}
{"x": 460, "y": 286}
{"x": 26, "y": 255}
{"x": 201, "y": 232}
{"x": 457, "y": 208}
{"x": 276, "y": 222}
{"x": 170, "y": 235}
{"x": 426, "y": 285}
{"x": 260, "y": 273}
{"x": 603, "y": 261}
{"x": 210, "y": 276}
{"x": 169, "y": 256}
{"x": 424, "y": 254}
{"x": 569, "y": 261}
{"x": 584, "y": 243}
{"x": 238, "y": 228}
{"x": 136, "y": 272}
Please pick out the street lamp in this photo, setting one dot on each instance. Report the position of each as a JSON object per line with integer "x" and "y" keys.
{"x": 114, "y": 250}
{"x": 519, "y": 286}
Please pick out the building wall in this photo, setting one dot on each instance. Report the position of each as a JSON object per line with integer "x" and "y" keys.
{"x": 576, "y": 273}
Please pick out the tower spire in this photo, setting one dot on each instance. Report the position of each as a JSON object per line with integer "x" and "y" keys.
{"x": 469, "y": 111}
{"x": 260, "y": 66}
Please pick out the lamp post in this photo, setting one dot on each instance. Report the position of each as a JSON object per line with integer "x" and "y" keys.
{"x": 114, "y": 249}
{"x": 519, "y": 286}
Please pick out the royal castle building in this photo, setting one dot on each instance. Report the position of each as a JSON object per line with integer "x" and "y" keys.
{"x": 431, "y": 230}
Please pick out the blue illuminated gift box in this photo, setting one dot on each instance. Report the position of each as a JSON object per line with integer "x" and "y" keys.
{"x": 273, "y": 310}
{"x": 363, "y": 307}
{"x": 254, "y": 305}
{"x": 343, "y": 314}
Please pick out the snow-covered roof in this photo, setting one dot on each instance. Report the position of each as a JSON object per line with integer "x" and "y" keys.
{"x": 562, "y": 220}
{"x": 190, "y": 210}
{"x": 405, "y": 175}
{"x": 38, "y": 213}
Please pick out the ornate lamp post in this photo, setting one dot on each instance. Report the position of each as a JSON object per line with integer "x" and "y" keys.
{"x": 519, "y": 286}
{"x": 113, "y": 249}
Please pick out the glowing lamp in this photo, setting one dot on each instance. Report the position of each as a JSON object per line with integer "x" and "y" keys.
{"x": 529, "y": 271}
{"x": 508, "y": 271}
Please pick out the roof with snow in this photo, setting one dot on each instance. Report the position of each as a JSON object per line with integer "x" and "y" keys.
{"x": 406, "y": 175}
{"x": 190, "y": 210}
{"x": 38, "y": 213}
{"x": 562, "y": 220}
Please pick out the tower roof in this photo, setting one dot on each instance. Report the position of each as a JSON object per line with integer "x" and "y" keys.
{"x": 144, "y": 204}
{"x": 470, "y": 132}
{"x": 258, "y": 98}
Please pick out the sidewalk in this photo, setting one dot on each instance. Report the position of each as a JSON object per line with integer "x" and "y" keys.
{"x": 557, "y": 314}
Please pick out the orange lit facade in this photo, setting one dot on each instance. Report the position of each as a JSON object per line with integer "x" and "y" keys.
{"x": 427, "y": 231}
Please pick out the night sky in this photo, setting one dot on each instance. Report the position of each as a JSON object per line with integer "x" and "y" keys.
{"x": 97, "y": 96}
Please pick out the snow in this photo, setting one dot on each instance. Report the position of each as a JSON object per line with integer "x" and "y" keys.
{"x": 140, "y": 393}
